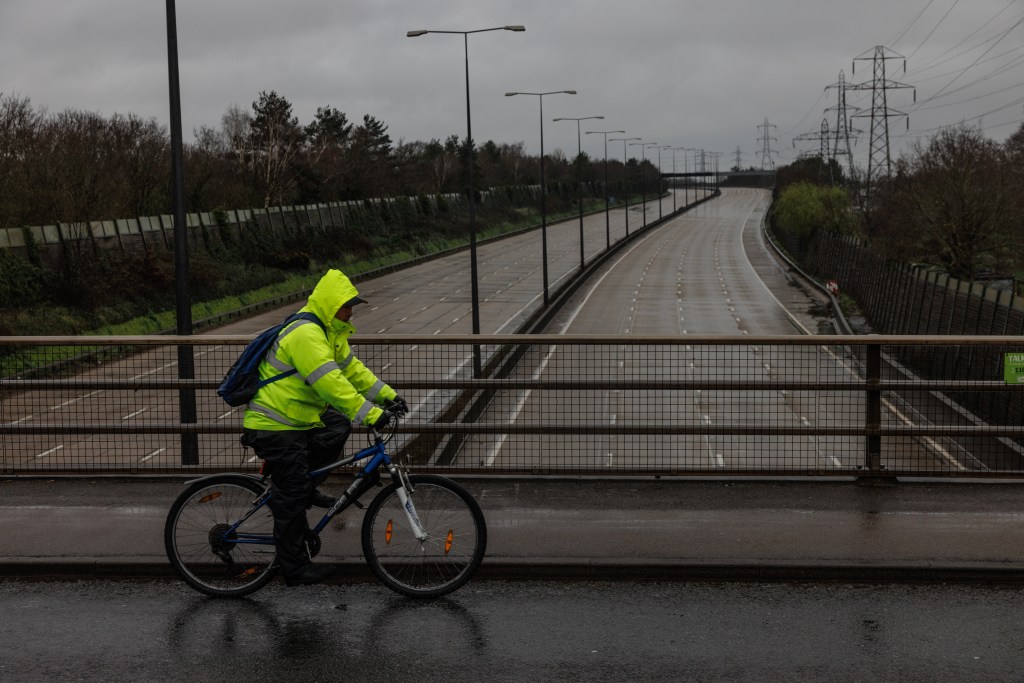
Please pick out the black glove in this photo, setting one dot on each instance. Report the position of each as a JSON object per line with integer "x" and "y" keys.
{"x": 383, "y": 421}
{"x": 399, "y": 405}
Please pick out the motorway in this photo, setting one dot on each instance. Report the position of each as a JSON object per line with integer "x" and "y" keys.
{"x": 432, "y": 298}
{"x": 705, "y": 272}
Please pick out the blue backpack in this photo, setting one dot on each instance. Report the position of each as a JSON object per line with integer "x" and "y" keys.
{"x": 242, "y": 381}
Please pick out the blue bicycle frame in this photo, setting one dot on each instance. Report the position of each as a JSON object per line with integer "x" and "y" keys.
{"x": 377, "y": 455}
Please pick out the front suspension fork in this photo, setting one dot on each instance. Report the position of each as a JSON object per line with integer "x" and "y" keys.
{"x": 404, "y": 487}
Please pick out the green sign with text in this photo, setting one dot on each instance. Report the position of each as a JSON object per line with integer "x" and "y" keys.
{"x": 1013, "y": 368}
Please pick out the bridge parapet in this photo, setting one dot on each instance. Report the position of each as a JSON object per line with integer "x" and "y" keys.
{"x": 549, "y": 404}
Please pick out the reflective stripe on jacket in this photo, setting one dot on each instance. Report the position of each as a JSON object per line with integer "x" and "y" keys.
{"x": 327, "y": 371}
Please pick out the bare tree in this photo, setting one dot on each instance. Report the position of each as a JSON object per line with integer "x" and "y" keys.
{"x": 276, "y": 140}
{"x": 952, "y": 202}
{"x": 20, "y": 128}
{"x": 443, "y": 159}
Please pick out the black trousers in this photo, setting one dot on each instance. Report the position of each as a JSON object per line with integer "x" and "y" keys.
{"x": 289, "y": 456}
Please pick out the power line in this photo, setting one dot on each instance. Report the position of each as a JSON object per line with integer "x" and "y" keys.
{"x": 932, "y": 63}
{"x": 913, "y": 21}
{"x": 969, "y": 66}
{"x": 955, "y": 3}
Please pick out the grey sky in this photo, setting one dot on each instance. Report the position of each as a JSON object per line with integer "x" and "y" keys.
{"x": 677, "y": 72}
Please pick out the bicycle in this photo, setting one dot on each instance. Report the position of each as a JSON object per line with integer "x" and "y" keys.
{"x": 219, "y": 531}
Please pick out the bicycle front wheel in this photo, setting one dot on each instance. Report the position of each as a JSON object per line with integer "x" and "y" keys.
{"x": 455, "y": 543}
{"x": 205, "y": 546}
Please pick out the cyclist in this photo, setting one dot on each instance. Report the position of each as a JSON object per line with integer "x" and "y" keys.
{"x": 301, "y": 422}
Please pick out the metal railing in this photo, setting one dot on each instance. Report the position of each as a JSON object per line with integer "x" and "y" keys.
{"x": 547, "y": 404}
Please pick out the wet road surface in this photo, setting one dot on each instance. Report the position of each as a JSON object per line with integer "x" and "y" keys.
{"x": 524, "y": 631}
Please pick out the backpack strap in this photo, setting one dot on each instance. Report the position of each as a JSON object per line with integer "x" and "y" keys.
{"x": 287, "y": 328}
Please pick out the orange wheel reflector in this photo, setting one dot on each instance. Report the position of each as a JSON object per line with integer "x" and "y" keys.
{"x": 448, "y": 542}
{"x": 210, "y": 496}
{"x": 388, "y": 530}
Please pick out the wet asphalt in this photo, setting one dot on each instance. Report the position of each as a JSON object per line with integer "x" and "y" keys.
{"x": 150, "y": 630}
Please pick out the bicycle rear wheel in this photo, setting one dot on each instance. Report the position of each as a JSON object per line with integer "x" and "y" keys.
{"x": 203, "y": 548}
{"x": 452, "y": 552}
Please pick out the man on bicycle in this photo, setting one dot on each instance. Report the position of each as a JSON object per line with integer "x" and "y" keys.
{"x": 301, "y": 422}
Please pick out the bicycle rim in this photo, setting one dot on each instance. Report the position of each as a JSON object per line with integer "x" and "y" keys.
{"x": 204, "y": 555}
{"x": 455, "y": 544}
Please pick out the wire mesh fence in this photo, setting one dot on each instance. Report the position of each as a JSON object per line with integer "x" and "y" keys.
{"x": 816, "y": 406}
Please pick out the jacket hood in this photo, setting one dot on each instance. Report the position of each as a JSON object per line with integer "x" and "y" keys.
{"x": 333, "y": 290}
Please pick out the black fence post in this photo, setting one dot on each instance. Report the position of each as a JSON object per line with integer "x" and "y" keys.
{"x": 873, "y": 410}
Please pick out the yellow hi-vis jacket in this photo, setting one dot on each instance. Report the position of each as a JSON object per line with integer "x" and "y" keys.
{"x": 328, "y": 372}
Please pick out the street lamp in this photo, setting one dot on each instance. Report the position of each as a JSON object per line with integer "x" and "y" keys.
{"x": 607, "y": 219}
{"x": 703, "y": 171}
{"x": 579, "y": 173}
{"x": 660, "y": 178}
{"x": 643, "y": 176}
{"x": 686, "y": 177}
{"x": 183, "y": 304}
{"x": 625, "y": 180}
{"x": 543, "y": 189}
{"x": 474, "y": 287}
{"x": 674, "y": 150}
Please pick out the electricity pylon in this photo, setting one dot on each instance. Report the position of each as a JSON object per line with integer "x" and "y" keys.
{"x": 842, "y": 130}
{"x": 767, "y": 164}
{"x": 879, "y": 157}
{"x": 824, "y": 138}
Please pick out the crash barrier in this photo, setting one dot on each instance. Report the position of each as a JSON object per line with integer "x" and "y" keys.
{"x": 549, "y": 405}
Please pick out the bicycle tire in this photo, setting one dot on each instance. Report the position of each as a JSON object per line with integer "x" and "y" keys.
{"x": 192, "y": 541}
{"x": 453, "y": 551}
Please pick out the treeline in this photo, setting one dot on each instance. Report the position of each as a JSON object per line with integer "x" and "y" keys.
{"x": 73, "y": 167}
{"x": 954, "y": 201}
{"x": 77, "y": 166}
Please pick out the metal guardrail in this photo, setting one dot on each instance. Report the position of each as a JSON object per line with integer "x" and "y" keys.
{"x": 548, "y": 404}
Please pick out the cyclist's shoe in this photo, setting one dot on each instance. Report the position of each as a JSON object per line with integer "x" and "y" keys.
{"x": 308, "y": 575}
{"x": 321, "y": 500}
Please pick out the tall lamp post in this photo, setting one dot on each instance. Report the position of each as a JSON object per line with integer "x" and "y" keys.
{"x": 543, "y": 188}
{"x": 186, "y": 361}
{"x": 579, "y": 173}
{"x": 660, "y": 179}
{"x": 674, "y": 150}
{"x": 474, "y": 285}
{"x": 607, "y": 219}
{"x": 686, "y": 178}
{"x": 625, "y": 178}
{"x": 643, "y": 176}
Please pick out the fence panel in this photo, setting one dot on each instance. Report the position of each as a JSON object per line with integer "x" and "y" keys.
{"x": 610, "y": 406}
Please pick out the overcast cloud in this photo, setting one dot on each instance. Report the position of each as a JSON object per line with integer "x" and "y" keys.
{"x": 677, "y": 72}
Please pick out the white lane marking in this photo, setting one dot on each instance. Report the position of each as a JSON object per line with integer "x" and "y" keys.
{"x": 20, "y": 420}
{"x": 520, "y": 404}
{"x": 75, "y": 400}
{"x": 156, "y": 369}
{"x": 150, "y": 455}
{"x": 932, "y": 443}
{"x": 137, "y": 412}
{"x": 757, "y": 277}
{"x": 52, "y": 450}
{"x": 228, "y": 414}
